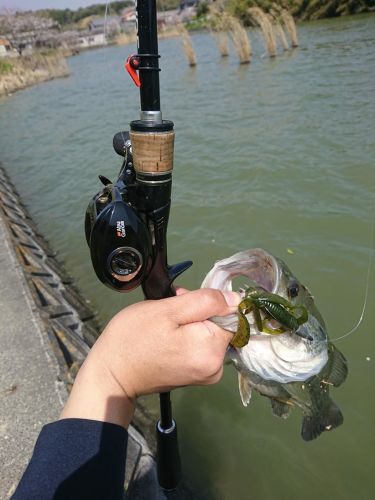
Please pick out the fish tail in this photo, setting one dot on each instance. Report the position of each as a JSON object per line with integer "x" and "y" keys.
{"x": 314, "y": 425}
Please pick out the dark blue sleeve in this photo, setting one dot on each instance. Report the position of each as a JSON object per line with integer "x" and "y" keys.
{"x": 76, "y": 459}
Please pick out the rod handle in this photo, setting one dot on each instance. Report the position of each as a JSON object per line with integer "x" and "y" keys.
{"x": 167, "y": 457}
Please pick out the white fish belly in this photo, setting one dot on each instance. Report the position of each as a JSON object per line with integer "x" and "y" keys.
{"x": 272, "y": 359}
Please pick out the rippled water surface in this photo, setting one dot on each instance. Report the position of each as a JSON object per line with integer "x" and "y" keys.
{"x": 279, "y": 155}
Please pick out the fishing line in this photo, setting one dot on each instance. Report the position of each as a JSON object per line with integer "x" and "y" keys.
{"x": 369, "y": 266}
{"x": 105, "y": 20}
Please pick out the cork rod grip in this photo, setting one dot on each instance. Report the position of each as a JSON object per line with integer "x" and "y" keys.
{"x": 152, "y": 151}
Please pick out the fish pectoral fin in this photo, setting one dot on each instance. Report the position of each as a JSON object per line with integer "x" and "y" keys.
{"x": 280, "y": 409}
{"x": 314, "y": 425}
{"x": 245, "y": 388}
{"x": 339, "y": 367}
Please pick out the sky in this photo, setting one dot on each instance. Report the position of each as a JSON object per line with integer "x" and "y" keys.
{"x": 47, "y": 4}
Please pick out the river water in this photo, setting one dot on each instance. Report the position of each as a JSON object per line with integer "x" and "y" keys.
{"x": 278, "y": 154}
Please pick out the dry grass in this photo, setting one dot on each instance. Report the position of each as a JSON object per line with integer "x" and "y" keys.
{"x": 223, "y": 24}
{"x": 188, "y": 46}
{"x": 131, "y": 38}
{"x": 279, "y": 32}
{"x": 290, "y": 26}
{"x": 221, "y": 38}
{"x": 265, "y": 24}
{"x": 218, "y": 29}
{"x": 125, "y": 38}
{"x": 288, "y": 22}
{"x": 239, "y": 38}
{"x": 33, "y": 69}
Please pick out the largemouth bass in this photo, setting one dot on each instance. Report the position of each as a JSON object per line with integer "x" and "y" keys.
{"x": 295, "y": 368}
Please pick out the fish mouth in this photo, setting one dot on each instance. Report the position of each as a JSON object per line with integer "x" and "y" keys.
{"x": 257, "y": 265}
{"x": 263, "y": 270}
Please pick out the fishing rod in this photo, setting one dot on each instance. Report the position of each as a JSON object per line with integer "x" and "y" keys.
{"x": 126, "y": 222}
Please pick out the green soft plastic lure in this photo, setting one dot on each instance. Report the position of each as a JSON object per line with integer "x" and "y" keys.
{"x": 290, "y": 317}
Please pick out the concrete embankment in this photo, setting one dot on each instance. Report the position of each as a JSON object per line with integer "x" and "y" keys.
{"x": 46, "y": 330}
{"x": 16, "y": 74}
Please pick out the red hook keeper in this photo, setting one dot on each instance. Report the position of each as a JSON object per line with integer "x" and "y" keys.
{"x": 131, "y": 66}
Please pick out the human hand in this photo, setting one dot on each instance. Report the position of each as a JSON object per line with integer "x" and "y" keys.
{"x": 152, "y": 346}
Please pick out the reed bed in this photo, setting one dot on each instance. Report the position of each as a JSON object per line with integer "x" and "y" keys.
{"x": 222, "y": 22}
{"x": 239, "y": 37}
{"x": 279, "y": 32}
{"x": 265, "y": 24}
{"x": 221, "y": 38}
{"x": 218, "y": 28}
{"x": 187, "y": 44}
{"x": 290, "y": 26}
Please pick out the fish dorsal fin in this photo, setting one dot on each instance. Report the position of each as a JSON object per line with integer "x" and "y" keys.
{"x": 339, "y": 367}
{"x": 245, "y": 388}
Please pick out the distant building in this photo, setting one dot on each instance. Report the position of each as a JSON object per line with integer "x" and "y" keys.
{"x": 184, "y": 4}
{"x": 128, "y": 15}
{"x": 91, "y": 40}
{"x": 167, "y": 18}
{"x": 25, "y": 30}
{"x": 110, "y": 25}
{"x": 186, "y": 12}
{"x": 64, "y": 39}
{"x": 128, "y": 19}
{"x": 5, "y": 47}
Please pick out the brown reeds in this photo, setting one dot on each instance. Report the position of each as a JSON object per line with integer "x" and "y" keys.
{"x": 221, "y": 38}
{"x": 265, "y": 24}
{"x": 187, "y": 44}
{"x": 239, "y": 37}
{"x": 279, "y": 32}
{"x": 290, "y": 26}
{"x": 218, "y": 29}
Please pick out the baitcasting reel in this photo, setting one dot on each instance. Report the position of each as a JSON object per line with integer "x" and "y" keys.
{"x": 119, "y": 241}
{"x": 125, "y": 228}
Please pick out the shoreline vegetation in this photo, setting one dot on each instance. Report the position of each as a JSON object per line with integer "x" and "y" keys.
{"x": 25, "y": 71}
{"x": 48, "y": 64}
{"x": 22, "y": 72}
{"x": 302, "y": 10}
{"x": 127, "y": 38}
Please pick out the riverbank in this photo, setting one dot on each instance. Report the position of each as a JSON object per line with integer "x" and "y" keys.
{"x": 47, "y": 334}
{"x": 18, "y": 73}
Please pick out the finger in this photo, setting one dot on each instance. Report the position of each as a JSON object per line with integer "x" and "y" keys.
{"x": 223, "y": 336}
{"x": 181, "y": 291}
{"x": 200, "y": 305}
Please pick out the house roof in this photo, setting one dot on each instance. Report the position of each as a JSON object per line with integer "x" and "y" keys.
{"x": 4, "y": 41}
{"x": 188, "y": 3}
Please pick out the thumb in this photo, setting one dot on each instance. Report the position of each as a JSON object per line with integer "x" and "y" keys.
{"x": 200, "y": 305}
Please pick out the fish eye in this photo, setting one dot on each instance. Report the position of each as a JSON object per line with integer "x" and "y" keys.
{"x": 293, "y": 290}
